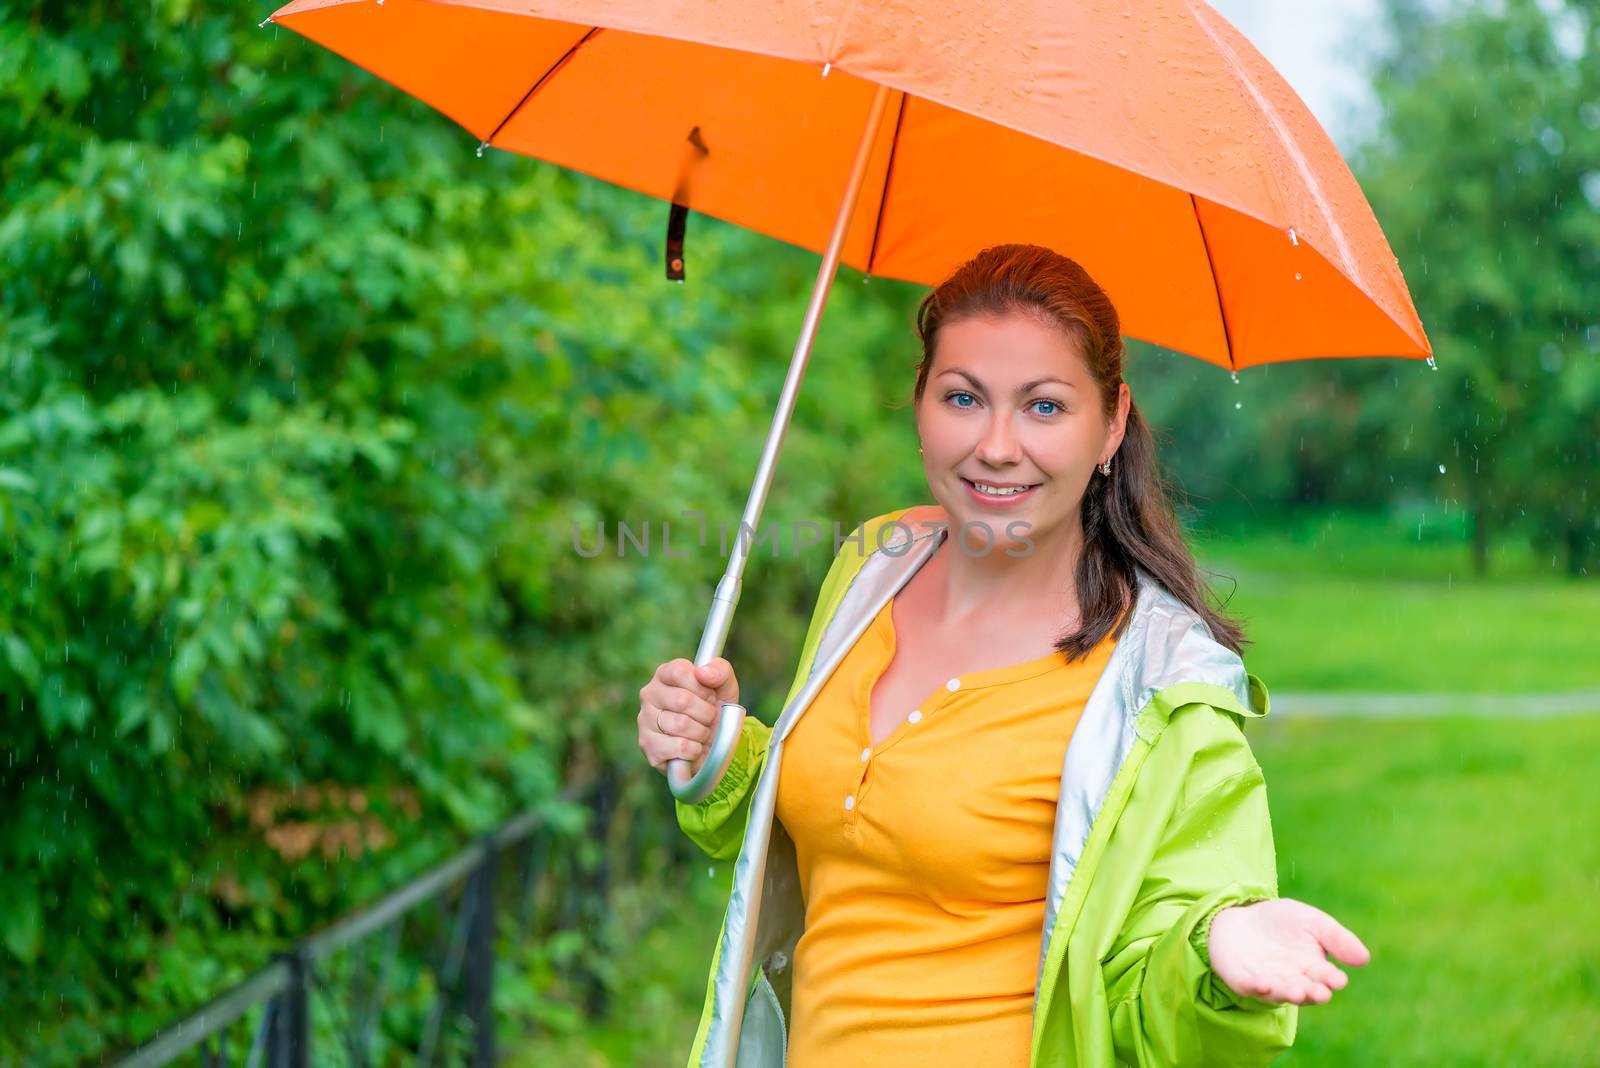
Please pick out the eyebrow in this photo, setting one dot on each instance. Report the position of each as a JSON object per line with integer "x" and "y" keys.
{"x": 1026, "y": 387}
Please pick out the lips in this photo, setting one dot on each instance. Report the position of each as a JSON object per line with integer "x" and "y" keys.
{"x": 1003, "y": 500}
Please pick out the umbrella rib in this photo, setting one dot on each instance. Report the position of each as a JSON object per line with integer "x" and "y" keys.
{"x": 888, "y": 176}
{"x": 546, "y": 76}
{"x": 1211, "y": 267}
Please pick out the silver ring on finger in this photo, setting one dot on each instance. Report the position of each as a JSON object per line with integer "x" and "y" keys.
{"x": 662, "y": 729}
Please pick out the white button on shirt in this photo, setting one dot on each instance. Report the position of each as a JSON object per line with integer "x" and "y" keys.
{"x": 915, "y": 717}
{"x": 865, "y": 754}
{"x": 850, "y": 802}
{"x": 953, "y": 685}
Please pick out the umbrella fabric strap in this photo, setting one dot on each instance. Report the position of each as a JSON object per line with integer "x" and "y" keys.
{"x": 677, "y": 219}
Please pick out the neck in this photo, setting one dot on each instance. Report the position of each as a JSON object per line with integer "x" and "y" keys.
{"x": 994, "y": 585}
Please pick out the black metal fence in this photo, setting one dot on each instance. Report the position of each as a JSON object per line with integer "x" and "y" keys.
{"x": 333, "y": 987}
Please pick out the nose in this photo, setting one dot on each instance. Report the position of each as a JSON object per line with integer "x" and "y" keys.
{"x": 999, "y": 447}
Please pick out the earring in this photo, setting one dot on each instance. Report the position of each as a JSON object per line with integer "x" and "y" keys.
{"x": 1105, "y": 469}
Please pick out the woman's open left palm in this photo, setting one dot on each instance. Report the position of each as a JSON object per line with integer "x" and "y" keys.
{"x": 1277, "y": 951}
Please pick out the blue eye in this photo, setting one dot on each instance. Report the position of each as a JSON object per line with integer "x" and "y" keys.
{"x": 1051, "y": 405}
{"x": 951, "y": 397}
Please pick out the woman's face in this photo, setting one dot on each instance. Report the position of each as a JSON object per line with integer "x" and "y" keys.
{"x": 1012, "y": 426}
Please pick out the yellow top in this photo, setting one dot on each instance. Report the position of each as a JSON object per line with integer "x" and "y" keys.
{"x": 923, "y": 860}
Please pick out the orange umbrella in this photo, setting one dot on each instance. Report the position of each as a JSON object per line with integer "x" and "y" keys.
{"x": 1150, "y": 142}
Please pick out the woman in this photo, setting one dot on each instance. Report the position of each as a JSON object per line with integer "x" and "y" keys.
{"x": 1017, "y": 821}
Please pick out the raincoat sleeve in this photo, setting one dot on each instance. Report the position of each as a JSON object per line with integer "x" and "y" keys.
{"x": 716, "y": 824}
{"x": 1167, "y": 1006}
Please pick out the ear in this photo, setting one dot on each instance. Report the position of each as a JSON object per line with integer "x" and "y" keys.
{"x": 1119, "y": 422}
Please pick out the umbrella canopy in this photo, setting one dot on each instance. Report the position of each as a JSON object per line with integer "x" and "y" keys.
{"x": 1155, "y": 147}
{"x": 1150, "y": 142}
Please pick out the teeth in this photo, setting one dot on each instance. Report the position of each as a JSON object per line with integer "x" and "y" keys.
{"x": 999, "y": 491}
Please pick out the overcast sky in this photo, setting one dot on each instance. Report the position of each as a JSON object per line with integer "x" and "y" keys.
{"x": 1317, "y": 45}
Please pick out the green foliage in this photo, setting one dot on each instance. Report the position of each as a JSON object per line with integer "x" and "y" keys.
{"x": 299, "y": 404}
{"x": 1486, "y": 176}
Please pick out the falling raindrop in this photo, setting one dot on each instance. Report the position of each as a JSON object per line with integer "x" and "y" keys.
{"x": 1237, "y": 405}
{"x": 1235, "y": 376}
{"x": 481, "y": 146}
{"x": 1441, "y": 469}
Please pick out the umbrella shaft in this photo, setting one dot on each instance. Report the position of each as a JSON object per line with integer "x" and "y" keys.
{"x": 726, "y": 597}
{"x": 693, "y": 789}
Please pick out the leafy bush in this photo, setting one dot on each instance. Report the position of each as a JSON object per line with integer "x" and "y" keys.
{"x": 299, "y": 403}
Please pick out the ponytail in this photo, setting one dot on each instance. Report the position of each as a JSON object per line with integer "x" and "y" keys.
{"x": 1129, "y": 525}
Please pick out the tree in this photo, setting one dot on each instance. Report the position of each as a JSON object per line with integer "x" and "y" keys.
{"x": 1485, "y": 172}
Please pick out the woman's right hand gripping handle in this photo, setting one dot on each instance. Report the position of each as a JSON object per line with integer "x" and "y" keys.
{"x": 678, "y": 710}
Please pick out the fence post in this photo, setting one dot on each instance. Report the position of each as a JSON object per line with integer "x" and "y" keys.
{"x": 479, "y": 1007}
{"x": 290, "y": 1041}
{"x": 598, "y": 899}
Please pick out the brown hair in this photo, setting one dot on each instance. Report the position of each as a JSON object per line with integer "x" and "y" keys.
{"x": 1128, "y": 518}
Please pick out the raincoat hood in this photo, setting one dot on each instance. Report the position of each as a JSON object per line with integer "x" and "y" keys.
{"x": 1123, "y": 975}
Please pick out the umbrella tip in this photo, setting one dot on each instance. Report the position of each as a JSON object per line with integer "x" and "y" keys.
{"x": 1293, "y": 240}
{"x": 1235, "y": 376}
{"x": 826, "y": 67}
{"x": 481, "y": 146}
{"x": 1431, "y": 365}
{"x": 263, "y": 22}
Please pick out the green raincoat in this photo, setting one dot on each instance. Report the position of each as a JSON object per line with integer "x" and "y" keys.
{"x": 1161, "y": 822}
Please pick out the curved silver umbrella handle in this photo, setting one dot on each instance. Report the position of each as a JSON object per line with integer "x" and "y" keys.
{"x": 692, "y": 790}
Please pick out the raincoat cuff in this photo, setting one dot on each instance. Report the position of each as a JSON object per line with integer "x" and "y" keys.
{"x": 718, "y": 805}
{"x": 1213, "y": 990}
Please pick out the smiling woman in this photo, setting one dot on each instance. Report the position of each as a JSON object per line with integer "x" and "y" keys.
{"x": 1007, "y": 815}
{"x": 1021, "y": 385}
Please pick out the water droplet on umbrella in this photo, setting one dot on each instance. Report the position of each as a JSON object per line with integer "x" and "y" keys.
{"x": 1297, "y": 276}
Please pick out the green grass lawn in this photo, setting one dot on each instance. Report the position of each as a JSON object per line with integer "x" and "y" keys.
{"x": 1362, "y": 635}
{"x": 1463, "y": 851}
{"x": 1466, "y": 854}
{"x": 1344, "y": 603}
